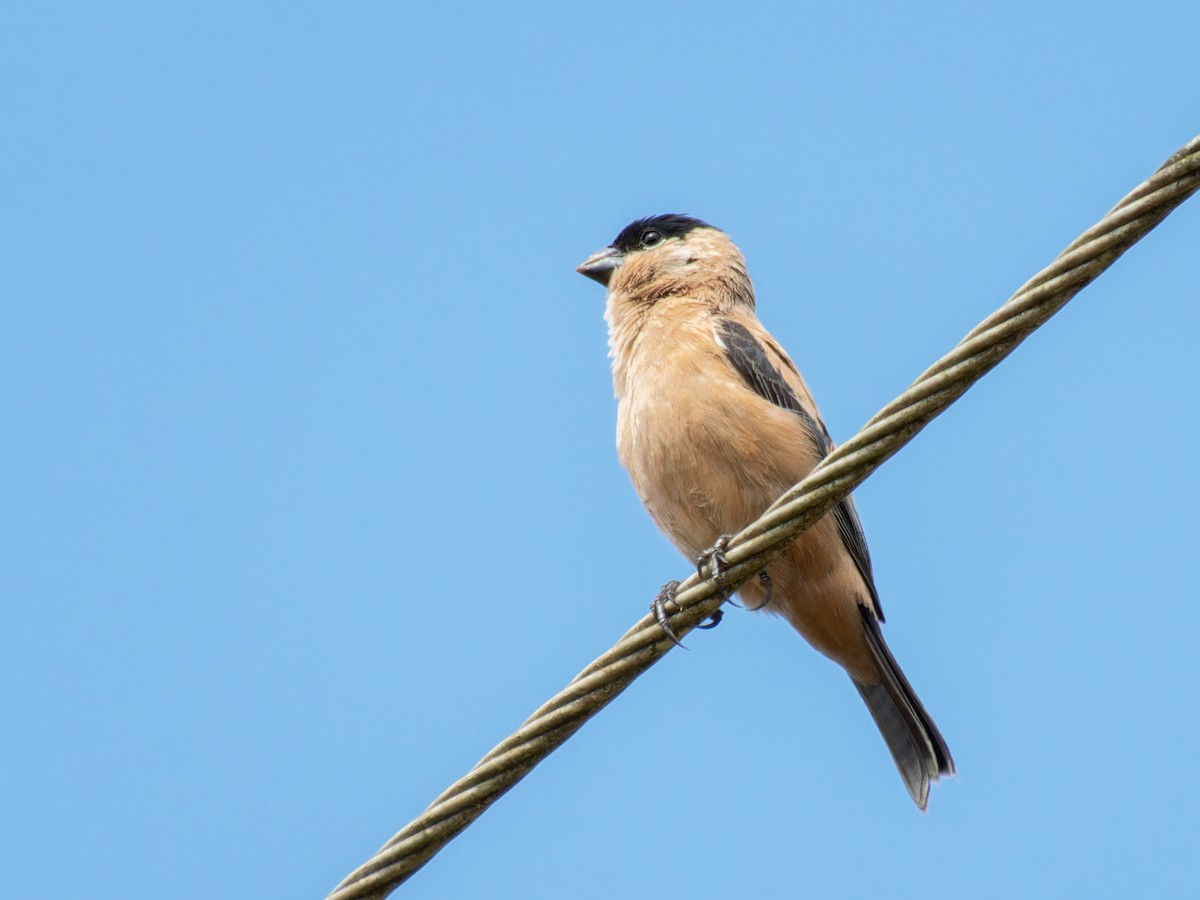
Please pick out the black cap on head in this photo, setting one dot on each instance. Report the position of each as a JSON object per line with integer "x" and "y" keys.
{"x": 667, "y": 225}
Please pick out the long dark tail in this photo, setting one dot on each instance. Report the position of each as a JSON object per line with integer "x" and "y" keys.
{"x": 917, "y": 746}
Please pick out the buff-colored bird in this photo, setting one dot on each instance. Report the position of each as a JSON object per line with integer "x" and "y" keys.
{"x": 714, "y": 423}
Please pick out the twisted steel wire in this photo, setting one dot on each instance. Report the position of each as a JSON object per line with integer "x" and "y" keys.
{"x": 750, "y": 550}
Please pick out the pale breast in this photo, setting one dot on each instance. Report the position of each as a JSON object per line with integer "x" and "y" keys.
{"x": 706, "y": 454}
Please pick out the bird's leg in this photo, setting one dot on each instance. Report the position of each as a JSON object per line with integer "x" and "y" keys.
{"x": 661, "y": 616}
{"x": 765, "y": 580}
{"x": 659, "y": 608}
{"x": 714, "y": 558}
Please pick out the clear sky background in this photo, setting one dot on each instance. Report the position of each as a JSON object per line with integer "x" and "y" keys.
{"x": 309, "y": 487}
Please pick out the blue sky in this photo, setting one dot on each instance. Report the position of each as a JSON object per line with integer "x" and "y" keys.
{"x": 309, "y": 487}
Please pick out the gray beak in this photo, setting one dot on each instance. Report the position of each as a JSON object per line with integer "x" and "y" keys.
{"x": 601, "y": 264}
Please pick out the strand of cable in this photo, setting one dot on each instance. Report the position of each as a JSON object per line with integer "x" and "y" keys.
{"x": 749, "y": 551}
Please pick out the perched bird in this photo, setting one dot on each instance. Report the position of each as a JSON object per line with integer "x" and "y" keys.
{"x": 714, "y": 422}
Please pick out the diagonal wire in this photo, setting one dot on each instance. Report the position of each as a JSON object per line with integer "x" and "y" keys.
{"x": 839, "y": 473}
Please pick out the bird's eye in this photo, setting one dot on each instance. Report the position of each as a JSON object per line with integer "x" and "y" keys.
{"x": 650, "y": 238}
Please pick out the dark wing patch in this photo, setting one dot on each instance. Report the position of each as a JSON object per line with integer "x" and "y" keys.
{"x": 851, "y": 531}
{"x": 750, "y": 359}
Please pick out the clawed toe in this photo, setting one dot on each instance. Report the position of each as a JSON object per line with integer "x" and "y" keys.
{"x": 662, "y": 617}
{"x": 659, "y": 608}
{"x": 714, "y": 559}
{"x": 765, "y": 580}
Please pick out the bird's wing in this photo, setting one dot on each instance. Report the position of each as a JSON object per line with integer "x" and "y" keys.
{"x": 755, "y": 360}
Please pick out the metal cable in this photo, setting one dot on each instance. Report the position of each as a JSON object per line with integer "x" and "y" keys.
{"x": 843, "y": 470}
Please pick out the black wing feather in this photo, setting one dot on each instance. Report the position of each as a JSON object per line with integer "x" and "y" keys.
{"x": 750, "y": 359}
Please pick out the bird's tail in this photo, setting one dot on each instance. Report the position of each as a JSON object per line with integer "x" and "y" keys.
{"x": 917, "y": 746}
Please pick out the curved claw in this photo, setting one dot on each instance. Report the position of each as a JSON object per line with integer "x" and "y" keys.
{"x": 714, "y": 558}
{"x": 659, "y": 608}
{"x": 765, "y": 580}
{"x": 714, "y": 620}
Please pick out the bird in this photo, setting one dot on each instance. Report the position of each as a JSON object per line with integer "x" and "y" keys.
{"x": 714, "y": 423}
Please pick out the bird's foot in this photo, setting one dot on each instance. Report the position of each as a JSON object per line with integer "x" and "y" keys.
{"x": 659, "y": 608}
{"x": 662, "y": 617}
{"x": 714, "y": 559}
{"x": 765, "y": 580}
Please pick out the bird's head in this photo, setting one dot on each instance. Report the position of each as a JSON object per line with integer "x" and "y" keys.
{"x": 671, "y": 255}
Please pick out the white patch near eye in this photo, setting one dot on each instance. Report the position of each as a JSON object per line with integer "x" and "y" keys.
{"x": 676, "y": 254}
{"x": 717, "y": 338}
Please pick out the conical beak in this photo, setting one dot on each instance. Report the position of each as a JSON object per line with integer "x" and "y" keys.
{"x": 601, "y": 264}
